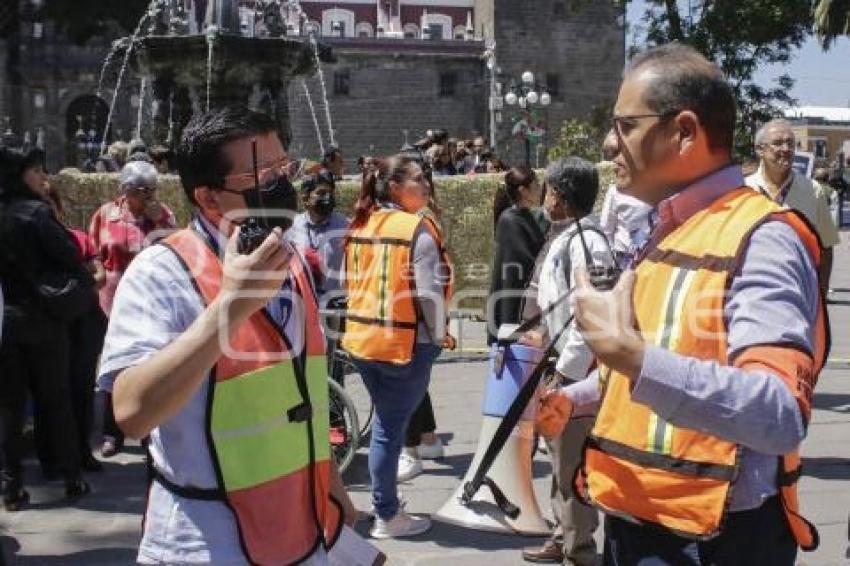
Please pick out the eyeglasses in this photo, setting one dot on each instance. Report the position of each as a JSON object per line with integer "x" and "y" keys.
{"x": 779, "y": 144}
{"x": 267, "y": 175}
{"x": 142, "y": 190}
{"x": 617, "y": 122}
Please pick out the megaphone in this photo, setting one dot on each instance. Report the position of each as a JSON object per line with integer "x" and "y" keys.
{"x": 509, "y": 368}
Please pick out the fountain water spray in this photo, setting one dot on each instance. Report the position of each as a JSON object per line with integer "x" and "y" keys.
{"x": 110, "y": 58}
{"x": 170, "y": 139}
{"x": 179, "y": 57}
{"x": 313, "y": 114}
{"x": 211, "y": 33}
{"x": 321, "y": 75}
{"x": 145, "y": 17}
{"x": 142, "y": 87}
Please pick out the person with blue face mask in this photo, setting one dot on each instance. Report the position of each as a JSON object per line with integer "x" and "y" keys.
{"x": 319, "y": 231}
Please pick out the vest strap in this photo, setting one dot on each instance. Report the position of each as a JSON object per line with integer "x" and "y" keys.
{"x": 199, "y": 493}
{"x": 786, "y": 479}
{"x": 721, "y": 472}
{"x": 381, "y": 322}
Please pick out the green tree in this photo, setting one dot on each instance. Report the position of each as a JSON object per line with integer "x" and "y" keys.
{"x": 576, "y": 138}
{"x": 583, "y": 137}
{"x": 739, "y": 37}
{"x": 832, "y": 19}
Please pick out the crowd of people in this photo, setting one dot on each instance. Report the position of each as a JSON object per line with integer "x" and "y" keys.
{"x": 684, "y": 433}
{"x": 446, "y": 155}
{"x": 59, "y": 282}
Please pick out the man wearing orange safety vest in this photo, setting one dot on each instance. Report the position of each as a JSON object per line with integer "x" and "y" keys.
{"x": 708, "y": 349}
{"x": 218, "y": 357}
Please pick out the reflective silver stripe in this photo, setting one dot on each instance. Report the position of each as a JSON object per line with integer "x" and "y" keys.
{"x": 252, "y": 430}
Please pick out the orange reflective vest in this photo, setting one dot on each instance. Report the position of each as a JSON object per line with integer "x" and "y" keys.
{"x": 267, "y": 421}
{"x": 382, "y": 315}
{"x": 636, "y": 464}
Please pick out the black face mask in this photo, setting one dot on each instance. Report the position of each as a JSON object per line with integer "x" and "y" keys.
{"x": 325, "y": 204}
{"x": 274, "y": 203}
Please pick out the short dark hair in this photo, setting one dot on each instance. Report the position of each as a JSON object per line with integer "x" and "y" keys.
{"x": 314, "y": 181}
{"x": 688, "y": 81}
{"x": 575, "y": 181}
{"x": 13, "y": 163}
{"x": 200, "y": 162}
{"x": 330, "y": 155}
{"x": 160, "y": 152}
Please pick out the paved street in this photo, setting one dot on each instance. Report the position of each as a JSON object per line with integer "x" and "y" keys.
{"x": 104, "y": 528}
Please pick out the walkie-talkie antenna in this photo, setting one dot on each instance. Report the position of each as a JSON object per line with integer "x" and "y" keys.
{"x": 588, "y": 259}
{"x": 257, "y": 184}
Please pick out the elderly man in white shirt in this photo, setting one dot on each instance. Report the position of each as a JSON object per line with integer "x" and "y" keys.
{"x": 775, "y": 144}
{"x": 571, "y": 188}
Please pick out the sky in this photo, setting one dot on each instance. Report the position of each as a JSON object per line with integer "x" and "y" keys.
{"x": 822, "y": 78}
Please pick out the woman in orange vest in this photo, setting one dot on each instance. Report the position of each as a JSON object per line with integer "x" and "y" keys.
{"x": 398, "y": 280}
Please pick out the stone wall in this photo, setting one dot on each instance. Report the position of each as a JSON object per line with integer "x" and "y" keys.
{"x": 392, "y": 88}
{"x": 466, "y": 203}
{"x": 582, "y": 43}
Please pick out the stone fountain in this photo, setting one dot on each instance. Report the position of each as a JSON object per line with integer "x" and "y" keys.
{"x": 232, "y": 55}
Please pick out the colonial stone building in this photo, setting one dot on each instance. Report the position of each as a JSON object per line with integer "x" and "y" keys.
{"x": 822, "y": 131}
{"x": 402, "y": 67}
{"x": 410, "y": 65}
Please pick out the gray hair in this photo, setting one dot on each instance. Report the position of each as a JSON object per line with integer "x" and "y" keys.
{"x": 137, "y": 174}
{"x": 575, "y": 181}
{"x": 775, "y": 123}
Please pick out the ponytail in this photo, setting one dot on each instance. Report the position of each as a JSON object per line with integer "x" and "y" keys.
{"x": 375, "y": 187}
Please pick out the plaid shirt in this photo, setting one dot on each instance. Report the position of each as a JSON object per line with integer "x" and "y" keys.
{"x": 118, "y": 236}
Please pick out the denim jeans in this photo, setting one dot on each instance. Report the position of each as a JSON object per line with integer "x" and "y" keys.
{"x": 396, "y": 391}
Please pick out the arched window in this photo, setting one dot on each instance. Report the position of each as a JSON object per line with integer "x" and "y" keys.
{"x": 411, "y": 31}
{"x": 85, "y": 120}
{"x": 337, "y": 22}
{"x": 364, "y": 29}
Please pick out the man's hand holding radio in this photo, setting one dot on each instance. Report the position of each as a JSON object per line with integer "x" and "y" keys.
{"x": 607, "y": 323}
{"x": 251, "y": 280}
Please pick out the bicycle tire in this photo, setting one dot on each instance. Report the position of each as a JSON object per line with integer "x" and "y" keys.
{"x": 349, "y": 369}
{"x": 342, "y": 407}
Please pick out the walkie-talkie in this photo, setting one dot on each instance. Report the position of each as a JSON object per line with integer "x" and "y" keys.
{"x": 251, "y": 232}
{"x": 601, "y": 277}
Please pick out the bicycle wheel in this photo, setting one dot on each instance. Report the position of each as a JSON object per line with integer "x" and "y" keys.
{"x": 344, "y": 426}
{"x": 356, "y": 391}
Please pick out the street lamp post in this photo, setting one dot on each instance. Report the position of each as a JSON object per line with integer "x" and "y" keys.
{"x": 495, "y": 101}
{"x": 527, "y": 94}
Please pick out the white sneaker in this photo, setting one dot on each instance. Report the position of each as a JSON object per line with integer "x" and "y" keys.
{"x": 402, "y": 525}
{"x": 372, "y": 513}
{"x": 431, "y": 451}
{"x": 408, "y": 467}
